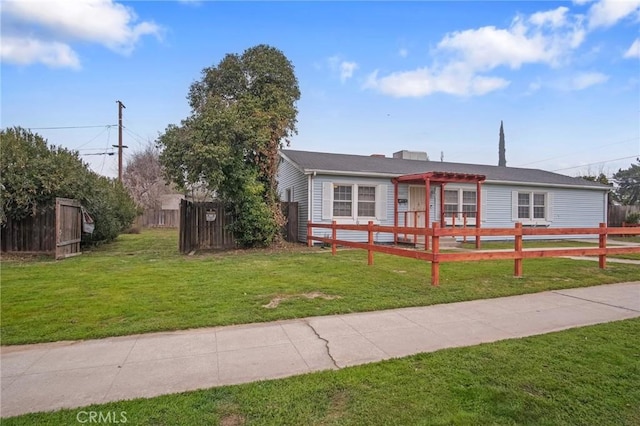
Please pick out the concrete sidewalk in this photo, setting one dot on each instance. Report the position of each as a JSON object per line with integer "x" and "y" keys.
{"x": 73, "y": 374}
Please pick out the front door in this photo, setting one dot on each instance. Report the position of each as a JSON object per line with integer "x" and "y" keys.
{"x": 417, "y": 211}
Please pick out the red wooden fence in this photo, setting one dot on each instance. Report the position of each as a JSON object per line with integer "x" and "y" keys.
{"x": 436, "y": 257}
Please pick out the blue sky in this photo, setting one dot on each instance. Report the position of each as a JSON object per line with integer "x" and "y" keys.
{"x": 375, "y": 77}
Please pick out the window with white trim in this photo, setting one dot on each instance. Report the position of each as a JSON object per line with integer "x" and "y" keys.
{"x": 342, "y": 200}
{"x": 450, "y": 202}
{"x": 532, "y": 206}
{"x": 458, "y": 202}
{"x": 353, "y": 202}
{"x": 469, "y": 203}
{"x": 366, "y": 201}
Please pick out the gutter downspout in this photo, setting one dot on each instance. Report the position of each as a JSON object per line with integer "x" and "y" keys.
{"x": 310, "y": 198}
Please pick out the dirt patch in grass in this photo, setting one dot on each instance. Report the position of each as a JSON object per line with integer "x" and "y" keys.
{"x": 232, "y": 420}
{"x": 284, "y": 297}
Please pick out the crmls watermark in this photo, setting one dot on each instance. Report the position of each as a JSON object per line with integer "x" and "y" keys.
{"x": 105, "y": 417}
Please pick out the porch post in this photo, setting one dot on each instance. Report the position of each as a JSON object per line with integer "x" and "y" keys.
{"x": 442, "y": 221}
{"x": 427, "y": 205}
{"x": 395, "y": 211}
{"x": 478, "y": 211}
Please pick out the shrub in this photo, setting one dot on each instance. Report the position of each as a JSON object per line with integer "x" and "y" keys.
{"x": 633, "y": 217}
{"x": 34, "y": 174}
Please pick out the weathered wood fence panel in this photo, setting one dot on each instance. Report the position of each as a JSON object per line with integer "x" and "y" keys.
{"x": 159, "y": 218}
{"x": 290, "y": 229}
{"x": 68, "y": 227}
{"x": 55, "y": 231}
{"x": 617, "y": 214}
{"x": 203, "y": 226}
{"x": 34, "y": 234}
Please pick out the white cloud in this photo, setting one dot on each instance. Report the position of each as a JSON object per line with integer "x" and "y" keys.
{"x": 464, "y": 57}
{"x": 403, "y": 53}
{"x": 554, "y": 18}
{"x": 25, "y": 51}
{"x": 607, "y": 13}
{"x": 453, "y": 80}
{"x": 346, "y": 70}
{"x": 104, "y": 22}
{"x": 587, "y": 79}
{"x": 634, "y": 50}
{"x": 523, "y": 42}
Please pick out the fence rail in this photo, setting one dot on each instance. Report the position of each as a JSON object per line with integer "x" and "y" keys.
{"x": 517, "y": 254}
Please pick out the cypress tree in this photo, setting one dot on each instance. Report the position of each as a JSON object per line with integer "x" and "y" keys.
{"x": 502, "y": 161}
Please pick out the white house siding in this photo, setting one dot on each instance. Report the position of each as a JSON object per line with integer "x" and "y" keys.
{"x": 290, "y": 177}
{"x": 317, "y": 202}
{"x": 571, "y": 208}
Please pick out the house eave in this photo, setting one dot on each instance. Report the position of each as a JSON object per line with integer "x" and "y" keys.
{"x": 351, "y": 173}
{"x": 546, "y": 185}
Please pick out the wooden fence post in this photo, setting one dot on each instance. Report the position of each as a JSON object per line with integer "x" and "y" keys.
{"x": 435, "y": 249}
{"x": 415, "y": 226}
{"x": 334, "y": 237}
{"x": 309, "y": 234}
{"x": 370, "y": 245}
{"x": 464, "y": 226}
{"x": 602, "y": 240}
{"x": 517, "y": 269}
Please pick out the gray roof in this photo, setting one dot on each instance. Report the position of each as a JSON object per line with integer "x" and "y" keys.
{"x": 322, "y": 162}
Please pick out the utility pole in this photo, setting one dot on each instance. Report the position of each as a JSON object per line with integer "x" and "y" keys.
{"x": 120, "y": 146}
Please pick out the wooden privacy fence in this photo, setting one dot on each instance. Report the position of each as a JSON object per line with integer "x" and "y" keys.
{"x": 290, "y": 229}
{"x": 159, "y": 218}
{"x": 617, "y": 214}
{"x": 56, "y": 231}
{"x": 436, "y": 257}
{"x": 204, "y": 226}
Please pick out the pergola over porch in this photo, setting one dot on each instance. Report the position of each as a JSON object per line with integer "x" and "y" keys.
{"x": 438, "y": 178}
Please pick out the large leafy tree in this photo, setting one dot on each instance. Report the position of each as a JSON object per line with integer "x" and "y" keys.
{"x": 34, "y": 174}
{"x": 628, "y": 184}
{"x": 242, "y": 112}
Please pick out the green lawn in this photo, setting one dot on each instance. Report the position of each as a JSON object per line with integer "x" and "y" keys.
{"x": 584, "y": 376}
{"x": 141, "y": 284}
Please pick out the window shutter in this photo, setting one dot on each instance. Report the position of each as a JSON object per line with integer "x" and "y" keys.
{"x": 483, "y": 213}
{"x": 327, "y": 200}
{"x": 549, "y": 202}
{"x": 381, "y": 202}
{"x": 514, "y": 206}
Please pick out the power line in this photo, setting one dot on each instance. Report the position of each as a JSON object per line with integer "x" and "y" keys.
{"x": 135, "y": 137}
{"x": 105, "y": 157}
{"x": 597, "y": 162}
{"x": 101, "y": 153}
{"x": 70, "y": 127}
{"x": 577, "y": 152}
{"x": 94, "y": 138}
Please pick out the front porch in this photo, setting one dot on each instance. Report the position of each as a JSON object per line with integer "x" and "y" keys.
{"x": 463, "y": 212}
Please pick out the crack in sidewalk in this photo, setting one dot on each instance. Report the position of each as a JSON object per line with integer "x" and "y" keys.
{"x": 594, "y": 301}
{"x": 326, "y": 344}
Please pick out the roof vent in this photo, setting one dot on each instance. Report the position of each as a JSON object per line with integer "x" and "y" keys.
{"x": 379, "y": 155}
{"x": 411, "y": 155}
